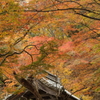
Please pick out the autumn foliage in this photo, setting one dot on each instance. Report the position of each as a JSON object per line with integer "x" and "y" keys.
{"x": 60, "y": 36}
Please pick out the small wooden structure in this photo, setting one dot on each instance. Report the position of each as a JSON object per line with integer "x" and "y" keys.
{"x": 48, "y": 88}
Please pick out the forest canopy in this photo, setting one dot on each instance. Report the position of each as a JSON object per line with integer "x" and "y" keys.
{"x": 60, "y": 36}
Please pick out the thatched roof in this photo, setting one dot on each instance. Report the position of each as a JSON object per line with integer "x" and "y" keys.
{"x": 48, "y": 88}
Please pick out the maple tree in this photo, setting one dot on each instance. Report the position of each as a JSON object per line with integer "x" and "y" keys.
{"x": 36, "y": 36}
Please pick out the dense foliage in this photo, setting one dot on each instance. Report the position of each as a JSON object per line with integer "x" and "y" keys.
{"x": 61, "y": 36}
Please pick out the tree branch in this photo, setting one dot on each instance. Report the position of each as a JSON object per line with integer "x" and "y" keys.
{"x": 29, "y": 55}
{"x": 53, "y": 10}
{"x": 94, "y": 18}
{"x": 8, "y": 54}
{"x": 73, "y": 9}
{"x": 21, "y": 38}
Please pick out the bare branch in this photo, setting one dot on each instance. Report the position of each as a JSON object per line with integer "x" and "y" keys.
{"x": 79, "y": 90}
{"x": 94, "y": 18}
{"x": 1, "y": 55}
{"x": 73, "y": 9}
{"x": 21, "y": 38}
{"x": 11, "y": 54}
{"x": 29, "y": 54}
{"x": 60, "y": 10}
